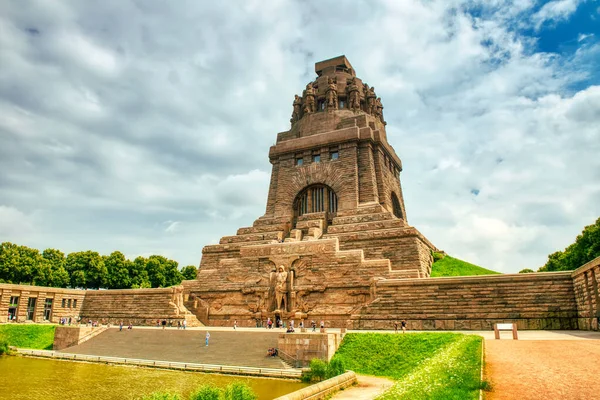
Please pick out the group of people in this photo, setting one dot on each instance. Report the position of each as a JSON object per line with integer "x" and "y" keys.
{"x": 402, "y": 325}
{"x": 129, "y": 327}
{"x": 272, "y": 352}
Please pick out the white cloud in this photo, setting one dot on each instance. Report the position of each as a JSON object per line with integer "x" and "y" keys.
{"x": 146, "y": 129}
{"x": 557, "y": 10}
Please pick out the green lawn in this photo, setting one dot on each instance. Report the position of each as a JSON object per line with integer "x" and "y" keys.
{"x": 424, "y": 365}
{"x": 39, "y": 337}
{"x": 450, "y": 266}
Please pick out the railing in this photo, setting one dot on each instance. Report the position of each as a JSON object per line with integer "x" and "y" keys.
{"x": 289, "y": 359}
{"x": 222, "y": 369}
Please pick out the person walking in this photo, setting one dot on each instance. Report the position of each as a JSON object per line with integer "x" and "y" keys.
{"x": 206, "y": 338}
{"x": 120, "y": 326}
{"x": 395, "y": 327}
{"x": 235, "y": 324}
{"x": 403, "y": 325}
{"x": 184, "y": 324}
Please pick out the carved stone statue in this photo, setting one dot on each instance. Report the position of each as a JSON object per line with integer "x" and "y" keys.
{"x": 379, "y": 109}
{"x": 371, "y": 100}
{"x": 297, "y": 108}
{"x": 309, "y": 99}
{"x": 281, "y": 289}
{"x": 331, "y": 94}
{"x": 353, "y": 95}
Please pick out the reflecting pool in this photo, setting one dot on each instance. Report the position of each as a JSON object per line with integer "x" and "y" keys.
{"x": 34, "y": 378}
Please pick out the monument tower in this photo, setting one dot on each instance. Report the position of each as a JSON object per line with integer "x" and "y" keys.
{"x": 335, "y": 220}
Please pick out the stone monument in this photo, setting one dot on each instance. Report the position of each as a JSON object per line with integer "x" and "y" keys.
{"x": 335, "y": 221}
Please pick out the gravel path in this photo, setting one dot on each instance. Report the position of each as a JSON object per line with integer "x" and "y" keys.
{"x": 548, "y": 369}
{"x": 368, "y": 388}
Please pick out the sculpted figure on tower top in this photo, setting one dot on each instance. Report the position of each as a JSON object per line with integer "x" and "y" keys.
{"x": 371, "y": 98}
{"x": 297, "y": 108}
{"x": 353, "y": 95}
{"x": 331, "y": 94}
{"x": 309, "y": 99}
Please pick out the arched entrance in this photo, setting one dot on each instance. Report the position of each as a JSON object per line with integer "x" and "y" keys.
{"x": 396, "y": 206}
{"x": 315, "y": 198}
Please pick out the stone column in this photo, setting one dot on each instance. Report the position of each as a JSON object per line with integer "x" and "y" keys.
{"x": 22, "y": 308}
{"x": 38, "y": 314}
{"x": 4, "y": 304}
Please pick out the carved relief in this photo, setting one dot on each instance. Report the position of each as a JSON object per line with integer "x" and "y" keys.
{"x": 297, "y": 109}
{"x": 353, "y": 95}
{"x": 331, "y": 97}
{"x": 309, "y": 99}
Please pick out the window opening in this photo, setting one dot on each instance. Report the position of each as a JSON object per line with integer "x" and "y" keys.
{"x": 47, "y": 309}
{"x": 335, "y": 155}
{"x": 31, "y": 308}
{"x": 299, "y": 161}
{"x": 396, "y": 206}
{"x": 316, "y": 158}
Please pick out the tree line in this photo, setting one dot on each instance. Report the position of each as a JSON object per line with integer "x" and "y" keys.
{"x": 585, "y": 249}
{"x": 88, "y": 269}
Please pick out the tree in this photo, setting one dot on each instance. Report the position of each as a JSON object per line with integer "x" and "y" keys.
{"x": 163, "y": 272}
{"x": 138, "y": 274}
{"x": 59, "y": 275}
{"x": 526, "y": 271}
{"x": 9, "y": 262}
{"x": 585, "y": 249}
{"x": 117, "y": 267}
{"x": 89, "y": 267}
{"x": 189, "y": 272}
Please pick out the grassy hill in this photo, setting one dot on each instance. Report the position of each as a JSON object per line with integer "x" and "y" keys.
{"x": 450, "y": 266}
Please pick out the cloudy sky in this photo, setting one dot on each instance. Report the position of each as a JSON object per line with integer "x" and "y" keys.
{"x": 144, "y": 126}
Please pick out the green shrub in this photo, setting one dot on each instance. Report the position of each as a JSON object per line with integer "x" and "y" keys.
{"x": 239, "y": 391}
{"x": 437, "y": 256}
{"x": 318, "y": 369}
{"x": 4, "y": 347}
{"x": 161, "y": 396}
{"x": 335, "y": 368}
{"x": 526, "y": 271}
{"x": 306, "y": 377}
{"x": 206, "y": 392}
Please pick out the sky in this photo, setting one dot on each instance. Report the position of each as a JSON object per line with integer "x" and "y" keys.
{"x": 144, "y": 126}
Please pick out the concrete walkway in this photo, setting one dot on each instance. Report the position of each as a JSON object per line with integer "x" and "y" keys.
{"x": 368, "y": 387}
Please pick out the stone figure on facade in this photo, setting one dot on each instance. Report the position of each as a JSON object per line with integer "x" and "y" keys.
{"x": 309, "y": 99}
{"x": 281, "y": 288}
{"x": 297, "y": 108}
{"x": 379, "y": 110}
{"x": 353, "y": 95}
{"x": 371, "y": 99}
{"x": 331, "y": 94}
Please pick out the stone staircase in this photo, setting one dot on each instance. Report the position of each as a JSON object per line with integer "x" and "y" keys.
{"x": 238, "y": 348}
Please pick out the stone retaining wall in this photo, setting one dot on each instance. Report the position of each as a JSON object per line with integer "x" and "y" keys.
{"x": 135, "y": 306}
{"x": 303, "y": 347}
{"x": 586, "y": 280}
{"x": 322, "y": 389}
{"x": 533, "y": 301}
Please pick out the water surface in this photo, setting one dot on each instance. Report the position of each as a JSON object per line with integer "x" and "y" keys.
{"x": 33, "y": 378}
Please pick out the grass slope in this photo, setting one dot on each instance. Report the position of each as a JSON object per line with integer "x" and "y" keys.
{"x": 450, "y": 266}
{"x": 424, "y": 365}
{"x": 39, "y": 337}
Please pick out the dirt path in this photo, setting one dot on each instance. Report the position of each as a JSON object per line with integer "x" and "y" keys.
{"x": 548, "y": 369}
{"x": 368, "y": 388}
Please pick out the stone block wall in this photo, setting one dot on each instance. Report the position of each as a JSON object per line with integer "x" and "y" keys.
{"x": 586, "y": 281}
{"x": 66, "y": 303}
{"x": 303, "y": 347}
{"x": 135, "y": 306}
{"x": 533, "y": 301}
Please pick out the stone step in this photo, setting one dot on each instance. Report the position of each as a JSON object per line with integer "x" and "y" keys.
{"x": 253, "y": 237}
{"x": 237, "y": 348}
{"x": 366, "y": 226}
{"x": 262, "y": 229}
{"x": 219, "y": 248}
{"x": 355, "y": 219}
{"x": 368, "y": 209}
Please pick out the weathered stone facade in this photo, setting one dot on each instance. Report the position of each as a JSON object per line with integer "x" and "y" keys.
{"x": 335, "y": 218}
{"x": 38, "y": 303}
